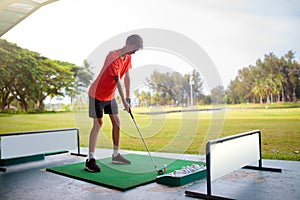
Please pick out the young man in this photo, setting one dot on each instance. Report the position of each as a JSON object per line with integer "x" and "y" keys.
{"x": 102, "y": 98}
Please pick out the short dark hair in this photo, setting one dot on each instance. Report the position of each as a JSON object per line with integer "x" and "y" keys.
{"x": 135, "y": 40}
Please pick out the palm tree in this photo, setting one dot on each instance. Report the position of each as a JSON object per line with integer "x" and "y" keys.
{"x": 148, "y": 99}
{"x": 293, "y": 73}
{"x": 279, "y": 81}
{"x": 83, "y": 78}
{"x": 137, "y": 95}
{"x": 258, "y": 89}
{"x": 142, "y": 99}
{"x": 269, "y": 86}
{"x": 156, "y": 98}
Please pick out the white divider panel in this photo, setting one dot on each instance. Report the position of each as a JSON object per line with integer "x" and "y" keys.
{"x": 33, "y": 144}
{"x": 230, "y": 155}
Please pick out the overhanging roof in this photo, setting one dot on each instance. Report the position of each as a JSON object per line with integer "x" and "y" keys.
{"x": 14, "y": 11}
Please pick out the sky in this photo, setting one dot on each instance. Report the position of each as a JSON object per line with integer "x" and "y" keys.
{"x": 233, "y": 33}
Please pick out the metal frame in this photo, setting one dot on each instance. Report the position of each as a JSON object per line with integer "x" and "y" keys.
{"x": 208, "y": 165}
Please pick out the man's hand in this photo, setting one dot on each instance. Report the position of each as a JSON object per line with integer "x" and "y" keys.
{"x": 128, "y": 100}
{"x": 127, "y": 107}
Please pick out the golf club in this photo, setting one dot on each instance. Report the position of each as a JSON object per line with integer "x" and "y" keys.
{"x": 159, "y": 172}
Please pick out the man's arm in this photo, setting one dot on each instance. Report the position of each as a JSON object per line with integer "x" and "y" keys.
{"x": 127, "y": 84}
{"x": 119, "y": 86}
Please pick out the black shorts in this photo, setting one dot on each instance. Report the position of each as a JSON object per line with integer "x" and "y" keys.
{"x": 96, "y": 107}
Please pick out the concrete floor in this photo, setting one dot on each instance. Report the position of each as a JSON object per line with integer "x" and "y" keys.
{"x": 31, "y": 181}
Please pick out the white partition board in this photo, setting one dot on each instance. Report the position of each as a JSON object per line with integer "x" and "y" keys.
{"x": 33, "y": 144}
{"x": 233, "y": 154}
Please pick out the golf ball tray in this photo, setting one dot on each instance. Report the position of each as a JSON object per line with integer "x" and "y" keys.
{"x": 183, "y": 176}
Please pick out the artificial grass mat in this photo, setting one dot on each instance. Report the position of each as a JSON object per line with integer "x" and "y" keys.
{"x": 122, "y": 177}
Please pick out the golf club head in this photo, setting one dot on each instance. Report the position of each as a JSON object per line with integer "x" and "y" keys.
{"x": 160, "y": 172}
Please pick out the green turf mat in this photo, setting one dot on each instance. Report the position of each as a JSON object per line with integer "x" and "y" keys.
{"x": 122, "y": 177}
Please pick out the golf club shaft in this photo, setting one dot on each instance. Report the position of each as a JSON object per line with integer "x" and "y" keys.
{"x": 143, "y": 140}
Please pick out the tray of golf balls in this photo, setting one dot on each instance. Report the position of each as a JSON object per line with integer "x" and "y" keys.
{"x": 185, "y": 175}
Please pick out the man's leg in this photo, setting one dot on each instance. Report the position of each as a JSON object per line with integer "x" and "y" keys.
{"x": 117, "y": 158}
{"x": 91, "y": 164}
{"x": 97, "y": 124}
{"x": 115, "y": 120}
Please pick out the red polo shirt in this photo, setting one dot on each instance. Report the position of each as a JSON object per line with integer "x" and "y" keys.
{"x": 103, "y": 88}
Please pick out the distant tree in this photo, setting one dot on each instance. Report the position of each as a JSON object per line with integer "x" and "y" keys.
{"x": 6, "y": 72}
{"x": 28, "y": 77}
{"x": 293, "y": 73}
{"x": 173, "y": 88}
{"x": 232, "y": 94}
{"x": 218, "y": 95}
{"x": 258, "y": 90}
{"x": 271, "y": 78}
{"x": 197, "y": 87}
{"x": 55, "y": 77}
{"x": 83, "y": 77}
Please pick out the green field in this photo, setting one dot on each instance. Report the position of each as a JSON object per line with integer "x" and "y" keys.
{"x": 177, "y": 132}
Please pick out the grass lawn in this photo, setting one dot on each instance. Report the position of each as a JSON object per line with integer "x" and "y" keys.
{"x": 177, "y": 132}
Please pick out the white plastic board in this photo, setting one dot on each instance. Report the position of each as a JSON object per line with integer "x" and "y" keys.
{"x": 39, "y": 143}
{"x": 233, "y": 154}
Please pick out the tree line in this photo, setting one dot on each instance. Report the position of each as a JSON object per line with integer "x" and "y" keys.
{"x": 172, "y": 89}
{"x": 271, "y": 79}
{"x": 27, "y": 78}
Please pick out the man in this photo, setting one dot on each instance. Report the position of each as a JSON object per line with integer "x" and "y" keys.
{"x": 102, "y": 98}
